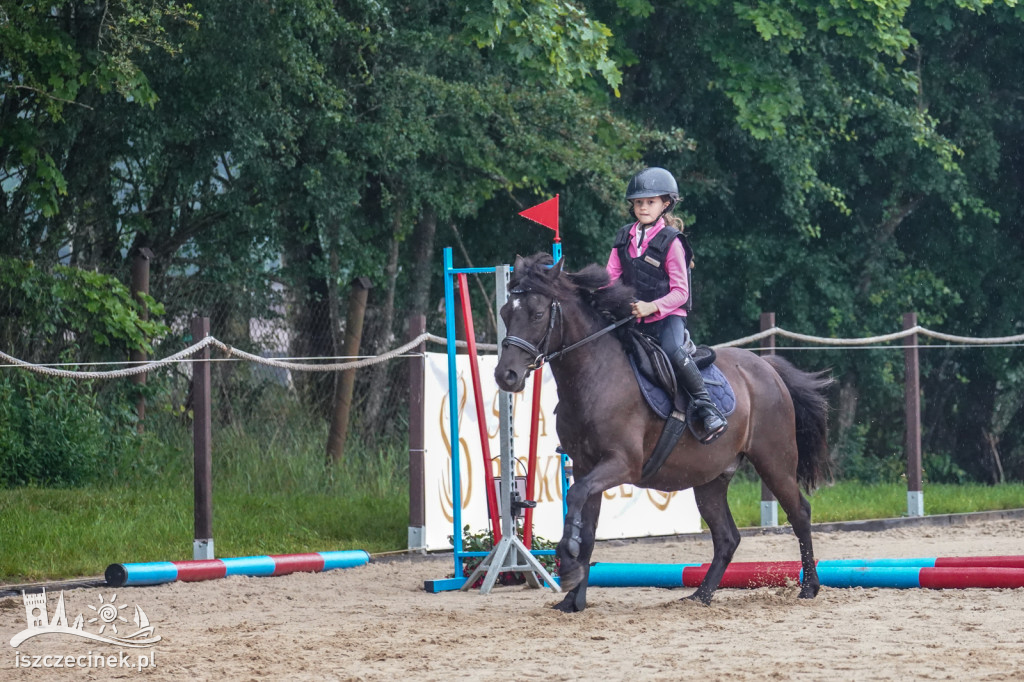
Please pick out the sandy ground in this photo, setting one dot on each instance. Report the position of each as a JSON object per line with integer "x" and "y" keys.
{"x": 376, "y": 623}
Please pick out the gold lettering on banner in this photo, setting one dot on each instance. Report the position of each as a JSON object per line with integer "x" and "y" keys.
{"x": 466, "y": 464}
{"x": 495, "y": 412}
{"x": 549, "y": 487}
{"x": 542, "y": 418}
{"x": 660, "y": 499}
{"x": 624, "y": 491}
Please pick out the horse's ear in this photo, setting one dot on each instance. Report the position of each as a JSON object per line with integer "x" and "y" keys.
{"x": 556, "y": 269}
{"x": 517, "y": 266}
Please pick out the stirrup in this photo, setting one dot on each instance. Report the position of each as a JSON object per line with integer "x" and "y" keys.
{"x": 712, "y": 411}
{"x": 713, "y": 436}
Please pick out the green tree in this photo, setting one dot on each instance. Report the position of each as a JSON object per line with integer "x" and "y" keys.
{"x": 60, "y": 62}
{"x": 58, "y": 431}
{"x": 840, "y": 164}
{"x": 863, "y": 127}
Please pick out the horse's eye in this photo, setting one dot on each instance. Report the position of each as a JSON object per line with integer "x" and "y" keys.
{"x": 539, "y": 314}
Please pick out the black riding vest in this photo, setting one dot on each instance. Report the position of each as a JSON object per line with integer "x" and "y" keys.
{"x": 646, "y": 273}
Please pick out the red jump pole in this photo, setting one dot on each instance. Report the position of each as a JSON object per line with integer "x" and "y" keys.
{"x": 531, "y": 462}
{"x": 485, "y": 445}
{"x": 752, "y": 574}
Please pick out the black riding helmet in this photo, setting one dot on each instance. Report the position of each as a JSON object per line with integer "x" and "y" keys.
{"x": 652, "y": 182}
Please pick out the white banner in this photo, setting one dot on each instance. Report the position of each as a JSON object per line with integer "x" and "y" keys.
{"x": 626, "y": 512}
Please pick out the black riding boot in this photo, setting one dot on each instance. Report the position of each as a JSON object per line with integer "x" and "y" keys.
{"x": 691, "y": 381}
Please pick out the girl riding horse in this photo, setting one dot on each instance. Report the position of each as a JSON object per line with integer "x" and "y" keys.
{"x": 779, "y": 423}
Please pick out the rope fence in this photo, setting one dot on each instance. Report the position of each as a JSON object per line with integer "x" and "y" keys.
{"x": 826, "y": 341}
{"x": 405, "y": 348}
{"x": 182, "y": 355}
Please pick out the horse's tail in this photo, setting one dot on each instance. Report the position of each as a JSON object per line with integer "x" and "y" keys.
{"x": 807, "y": 389}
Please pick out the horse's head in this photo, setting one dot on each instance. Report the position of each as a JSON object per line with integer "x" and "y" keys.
{"x": 536, "y": 326}
{"x": 530, "y": 315}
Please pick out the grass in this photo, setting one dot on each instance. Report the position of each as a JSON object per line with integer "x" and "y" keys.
{"x": 63, "y": 533}
{"x": 51, "y": 533}
{"x": 853, "y": 500}
{"x": 272, "y": 494}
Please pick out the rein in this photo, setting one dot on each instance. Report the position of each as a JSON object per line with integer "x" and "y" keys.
{"x": 587, "y": 339}
{"x": 540, "y": 357}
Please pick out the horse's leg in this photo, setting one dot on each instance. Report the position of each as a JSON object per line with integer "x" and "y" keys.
{"x": 576, "y": 600}
{"x": 713, "y": 504}
{"x": 583, "y": 503}
{"x": 787, "y": 491}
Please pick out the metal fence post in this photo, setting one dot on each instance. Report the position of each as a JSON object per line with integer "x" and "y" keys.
{"x": 202, "y": 474}
{"x": 417, "y": 504}
{"x": 912, "y": 416}
{"x": 769, "y": 505}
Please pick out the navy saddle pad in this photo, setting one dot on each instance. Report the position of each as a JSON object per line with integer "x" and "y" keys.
{"x": 718, "y": 387}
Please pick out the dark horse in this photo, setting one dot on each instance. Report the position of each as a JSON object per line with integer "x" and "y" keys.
{"x": 609, "y": 431}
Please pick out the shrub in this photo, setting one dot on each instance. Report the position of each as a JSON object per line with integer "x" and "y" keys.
{"x": 57, "y": 432}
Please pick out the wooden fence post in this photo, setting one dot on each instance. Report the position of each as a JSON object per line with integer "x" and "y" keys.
{"x": 769, "y": 505}
{"x": 912, "y": 416}
{"x": 202, "y": 471}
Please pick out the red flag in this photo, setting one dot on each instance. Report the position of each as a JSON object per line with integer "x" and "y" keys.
{"x": 545, "y": 213}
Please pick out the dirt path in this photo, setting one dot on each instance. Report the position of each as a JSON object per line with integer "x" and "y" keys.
{"x": 376, "y": 623}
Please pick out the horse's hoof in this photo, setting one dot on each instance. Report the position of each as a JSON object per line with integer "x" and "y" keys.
{"x": 809, "y": 591}
{"x": 569, "y": 605}
{"x": 699, "y": 598}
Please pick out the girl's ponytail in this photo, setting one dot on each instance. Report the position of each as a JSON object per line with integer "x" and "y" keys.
{"x": 672, "y": 220}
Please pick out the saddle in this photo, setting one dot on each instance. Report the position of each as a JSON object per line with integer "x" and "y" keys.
{"x": 654, "y": 370}
{"x": 657, "y": 382}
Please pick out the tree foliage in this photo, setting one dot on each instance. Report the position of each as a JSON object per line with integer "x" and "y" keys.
{"x": 57, "y": 59}
{"x": 840, "y": 163}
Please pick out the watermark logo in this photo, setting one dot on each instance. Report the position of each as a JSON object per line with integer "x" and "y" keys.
{"x": 106, "y": 621}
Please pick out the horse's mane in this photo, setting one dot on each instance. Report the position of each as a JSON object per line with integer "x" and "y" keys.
{"x": 591, "y": 285}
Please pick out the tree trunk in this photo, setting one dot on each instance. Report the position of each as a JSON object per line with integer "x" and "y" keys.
{"x": 385, "y": 324}
{"x": 140, "y": 286}
{"x": 492, "y": 318}
{"x": 936, "y": 428}
{"x": 341, "y": 412}
{"x": 846, "y": 415}
{"x": 423, "y": 262}
{"x": 997, "y": 463}
{"x": 311, "y": 321}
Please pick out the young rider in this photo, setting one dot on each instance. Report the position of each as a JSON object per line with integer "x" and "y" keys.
{"x": 653, "y": 257}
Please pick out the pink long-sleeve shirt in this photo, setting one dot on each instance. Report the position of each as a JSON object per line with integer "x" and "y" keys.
{"x": 675, "y": 266}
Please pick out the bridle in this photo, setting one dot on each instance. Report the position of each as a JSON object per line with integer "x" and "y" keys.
{"x": 540, "y": 352}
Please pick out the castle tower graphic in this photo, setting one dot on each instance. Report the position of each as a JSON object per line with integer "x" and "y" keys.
{"x": 60, "y": 618}
{"x": 39, "y": 623}
{"x": 35, "y": 609}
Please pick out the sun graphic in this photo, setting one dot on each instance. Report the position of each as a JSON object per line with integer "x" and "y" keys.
{"x": 108, "y": 613}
